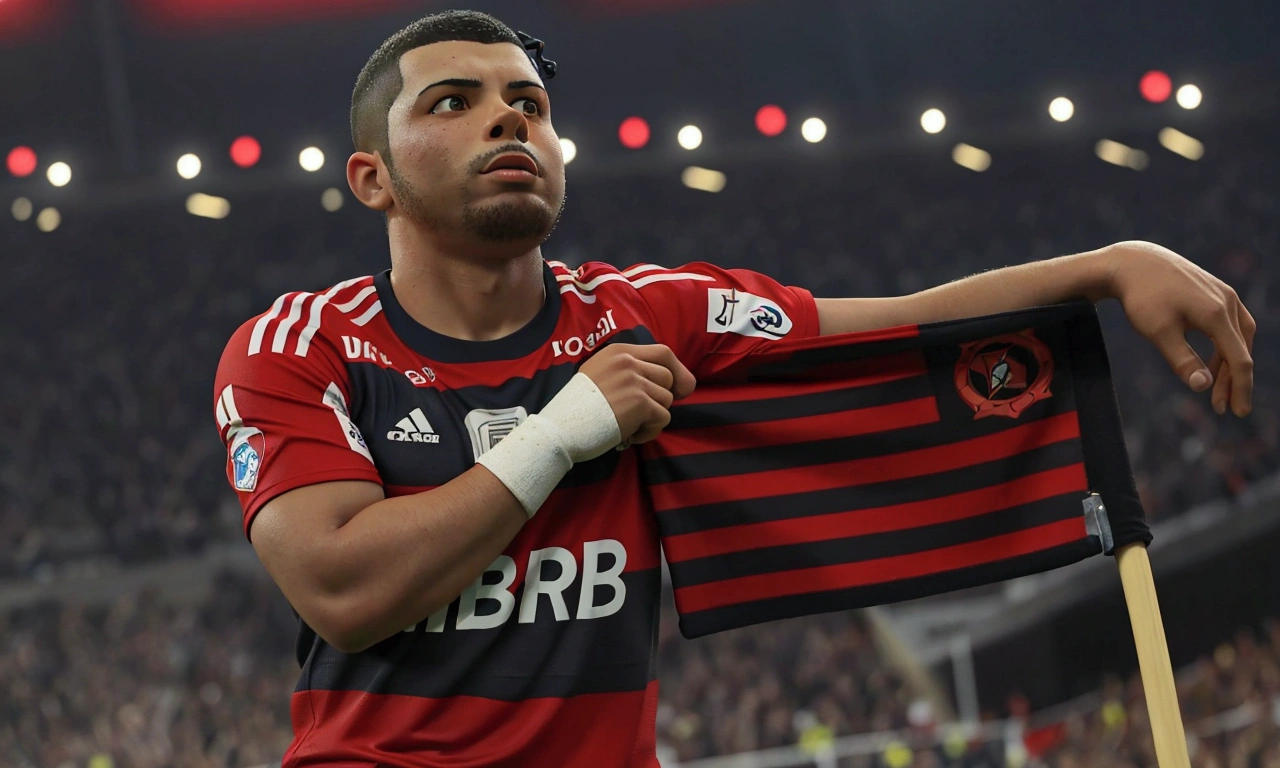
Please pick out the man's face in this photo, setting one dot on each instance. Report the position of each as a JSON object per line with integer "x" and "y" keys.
{"x": 464, "y": 108}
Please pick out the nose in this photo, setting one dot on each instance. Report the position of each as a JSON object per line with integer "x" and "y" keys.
{"x": 510, "y": 123}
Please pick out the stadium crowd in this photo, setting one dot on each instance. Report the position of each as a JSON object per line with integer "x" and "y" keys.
{"x": 112, "y": 455}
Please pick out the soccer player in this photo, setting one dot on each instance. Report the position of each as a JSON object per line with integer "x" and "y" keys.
{"x": 434, "y": 462}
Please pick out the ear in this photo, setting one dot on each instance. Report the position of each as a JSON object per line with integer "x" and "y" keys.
{"x": 369, "y": 181}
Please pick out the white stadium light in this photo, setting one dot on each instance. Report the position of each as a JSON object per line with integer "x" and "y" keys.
{"x": 703, "y": 179}
{"x": 1061, "y": 109}
{"x": 1189, "y": 96}
{"x": 22, "y": 209}
{"x": 568, "y": 149}
{"x": 189, "y": 166}
{"x": 1180, "y": 143}
{"x": 933, "y": 121}
{"x": 48, "y": 220}
{"x": 208, "y": 206}
{"x": 332, "y": 199}
{"x": 1118, "y": 154}
{"x": 59, "y": 175}
{"x": 971, "y": 157}
{"x": 813, "y": 130}
{"x": 689, "y": 137}
{"x": 311, "y": 159}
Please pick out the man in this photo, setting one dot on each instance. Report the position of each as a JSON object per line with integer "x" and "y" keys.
{"x": 433, "y": 461}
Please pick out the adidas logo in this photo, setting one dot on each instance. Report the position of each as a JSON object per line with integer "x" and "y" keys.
{"x": 414, "y": 428}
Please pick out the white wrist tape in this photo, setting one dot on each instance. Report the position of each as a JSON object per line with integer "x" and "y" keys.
{"x": 578, "y": 424}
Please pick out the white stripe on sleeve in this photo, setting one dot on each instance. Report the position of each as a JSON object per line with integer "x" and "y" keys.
{"x": 295, "y": 314}
{"x": 260, "y": 327}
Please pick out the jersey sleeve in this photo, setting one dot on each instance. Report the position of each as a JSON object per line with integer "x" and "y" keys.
{"x": 284, "y": 420}
{"x": 712, "y": 317}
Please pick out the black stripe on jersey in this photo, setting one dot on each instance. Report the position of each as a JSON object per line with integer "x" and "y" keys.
{"x": 797, "y": 406}
{"x": 511, "y": 662}
{"x": 701, "y": 623}
{"x": 722, "y": 514}
{"x": 386, "y": 400}
{"x": 877, "y": 545}
{"x": 768, "y": 458}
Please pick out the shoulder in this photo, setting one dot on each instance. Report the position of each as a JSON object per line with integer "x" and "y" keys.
{"x": 296, "y": 321}
{"x": 598, "y": 278}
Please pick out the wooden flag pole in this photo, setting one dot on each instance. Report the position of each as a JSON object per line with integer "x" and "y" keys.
{"x": 1153, "y": 656}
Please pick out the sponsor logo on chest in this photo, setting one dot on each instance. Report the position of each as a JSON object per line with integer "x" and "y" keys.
{"x": 576, "y": 345}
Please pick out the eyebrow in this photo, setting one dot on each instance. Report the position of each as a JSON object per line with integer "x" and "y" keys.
{"x": 466, "y": 82}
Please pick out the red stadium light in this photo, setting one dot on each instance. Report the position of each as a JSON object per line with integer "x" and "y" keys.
{"x": 1155, "y": 86}
{"x": 633, "y": 133}
{"x": 245, "y": 151}
{"x": 22, "y": 161}
{"x": 771, "y": 120}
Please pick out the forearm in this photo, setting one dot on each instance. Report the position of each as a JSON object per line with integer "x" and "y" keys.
{"x": 403, "y": 558}
{"x": 1079, "y": 276}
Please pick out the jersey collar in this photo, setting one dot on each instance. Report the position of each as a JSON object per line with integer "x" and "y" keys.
{"x": 446, "y": 349}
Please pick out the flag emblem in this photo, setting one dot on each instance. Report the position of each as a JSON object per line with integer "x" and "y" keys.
{"x": 1004, "y": 375}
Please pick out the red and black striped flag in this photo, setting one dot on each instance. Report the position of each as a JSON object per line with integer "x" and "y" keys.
{"x": 846, "y": 471}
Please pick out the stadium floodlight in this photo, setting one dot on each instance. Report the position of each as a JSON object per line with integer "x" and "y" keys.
{"x": 703, "y": 179}
{"x": 1180, "y": 143}
{"x": 1118, "y": 154}
{"x": 771, "y": 120}
{"x": 21, "y": 209}
{"x": 332, "y": 199}
{"x": 689, "y": 137}
{"x": 1061, "y": 109}
{"x": 1155, "y": 86}
{"x": 246, "y": 151}
{"x": 22, "y": 161}
{"x": 208, "y": 206}
{"x": 1189, "y": 96}
{"x": 971, "y": 157}
{"x": 311, "y": 159}
{"x": 568, "y": 149}
{"x": 48, "y": 220}
{"x": 933, "y": 121}
{"x": 59, "y": 175}
{"x": 813, "y": 130}
{"x": 633, "y": 133}
{"x": 189, "y": 166}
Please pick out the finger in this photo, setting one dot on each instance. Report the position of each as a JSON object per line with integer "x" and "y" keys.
{"x": 1221, "y": 383}
{"x": 652, "y": 427}
{"x": 683, "y": 380}
{"x": 1248, "y": 327}
{"x": 1222, "y": 391}
{"x": 1183, "y": 359}
{"x": 656, "y": 374}
{"x": 659, "y": 394}
{"x": 1229, "y": 341}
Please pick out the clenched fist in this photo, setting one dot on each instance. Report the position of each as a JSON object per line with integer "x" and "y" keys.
{"x": 640, "y": 381}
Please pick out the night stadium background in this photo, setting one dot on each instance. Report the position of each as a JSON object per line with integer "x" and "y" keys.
{"x": 867, "y": 148}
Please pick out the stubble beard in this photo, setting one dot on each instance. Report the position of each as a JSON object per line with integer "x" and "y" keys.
{"x": 526, "y": 218}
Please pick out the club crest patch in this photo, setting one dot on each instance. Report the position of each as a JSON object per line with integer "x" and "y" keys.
{"x": 1004, "y": 375}
{"x": 248, "y": 447}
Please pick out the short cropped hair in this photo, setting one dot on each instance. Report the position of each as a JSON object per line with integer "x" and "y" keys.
{"x": 380, "y": 81}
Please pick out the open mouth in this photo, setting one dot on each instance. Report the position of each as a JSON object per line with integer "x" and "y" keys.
{"x": 514, "y": 166}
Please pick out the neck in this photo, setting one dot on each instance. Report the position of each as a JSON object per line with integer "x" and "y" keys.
{"x": 471, "y": 298}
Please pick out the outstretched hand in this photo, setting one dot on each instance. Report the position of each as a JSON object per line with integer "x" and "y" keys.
{"x": 1165, "y": 296}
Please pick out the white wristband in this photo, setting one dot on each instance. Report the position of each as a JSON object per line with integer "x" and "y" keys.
{"x": 578, "y": 424}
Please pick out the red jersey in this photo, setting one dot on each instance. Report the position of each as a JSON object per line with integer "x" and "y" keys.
{"x": 549, "y": 657}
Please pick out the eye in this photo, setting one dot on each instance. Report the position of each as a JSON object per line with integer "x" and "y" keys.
{"x": 528, "y": 106}
{"x": 452, "y": 103}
